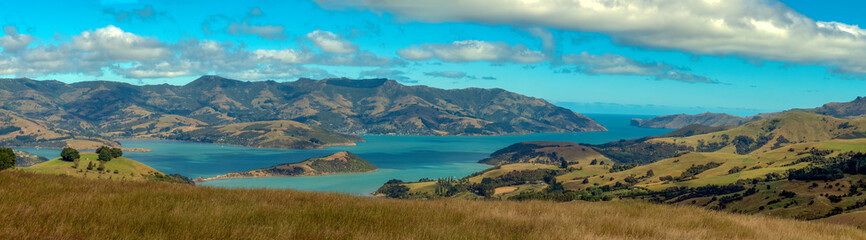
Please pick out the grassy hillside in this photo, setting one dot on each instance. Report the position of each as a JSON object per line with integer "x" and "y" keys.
{"x": 20, "y": 131}
{"x": 45, "y": 206}
{"x": 266, "y": 134}
{"x": 121, "y": 169}
{"x": 341, "y": 162}
{"x": 815, "y": 174}
{"x": 773, "y": 133}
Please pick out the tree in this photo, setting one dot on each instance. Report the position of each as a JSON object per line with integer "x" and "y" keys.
{"x": 116, "y": 152}
{"x": 69, "y": 154}
{"x": 563, "y": 163}
{"x": 7, "y": 158}
{"x": 103, "y": 148}
{"x": 104, "y": 156}
{"x": 650, "y": 173}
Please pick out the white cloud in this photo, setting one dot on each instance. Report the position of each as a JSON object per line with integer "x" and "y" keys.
{"x": 472, "y": 50}
{"x": 767, "y": 29}
{"x": 113, "y": 43}
{"x": 619, "y": 65}
{"x": 134, "y": 56}
{"x": 12, "y": 41}
{"x": 284, "y": 55}
{"x": 330, "y": 42}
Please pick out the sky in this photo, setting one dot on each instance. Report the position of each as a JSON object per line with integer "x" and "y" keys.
{"x": 593, "y": 56}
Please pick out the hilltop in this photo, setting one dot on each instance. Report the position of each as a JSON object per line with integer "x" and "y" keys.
{"x": 87, "y": 166}
{"x": 149, "y": 210}
{"x": 341, "y": 162}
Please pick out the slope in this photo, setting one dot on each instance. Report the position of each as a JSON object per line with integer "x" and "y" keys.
{"x": 41, "y": 207}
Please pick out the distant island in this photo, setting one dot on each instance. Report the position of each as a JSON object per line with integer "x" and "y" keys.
{"x": 844, "y": 110}
{"x": 341, "y": 162}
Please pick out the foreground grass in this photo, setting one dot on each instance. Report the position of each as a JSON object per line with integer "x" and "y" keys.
{"x": 61, "y": 207}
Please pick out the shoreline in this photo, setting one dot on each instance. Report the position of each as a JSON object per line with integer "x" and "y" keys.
{"x": 218, "y": 177}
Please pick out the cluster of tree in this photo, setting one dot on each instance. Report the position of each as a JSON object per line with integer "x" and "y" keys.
{"x": 107, "y": 153}
{"x": 394, "y": 189}
{"x": 691, "y": 172}
{"x": 641, "y": 152}
{"x": 710, "y": 147}
{"x": 69, "y": 154}
{"x": 7, "y": 158}
{"x": 678, "y": 194}
{"x": 746, "y": 144}
{"x": 850, "y": 163}
{"x": 622, "y": 167}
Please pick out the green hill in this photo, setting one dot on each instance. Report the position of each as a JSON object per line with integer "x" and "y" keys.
{"x": 120, "y": 169}
{"x": 813, "y": 175}
{"x": 46, "y": 206}
{"x": 268, "y": 134}
{"x": 341, "y": 162}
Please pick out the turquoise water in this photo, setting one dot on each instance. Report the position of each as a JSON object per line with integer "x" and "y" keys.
{"x": 402, "y": 157}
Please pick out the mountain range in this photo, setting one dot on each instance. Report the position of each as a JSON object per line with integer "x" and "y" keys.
{"x": 90, "y": 114}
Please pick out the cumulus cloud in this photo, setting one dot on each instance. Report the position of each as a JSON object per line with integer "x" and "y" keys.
{"x": 767, "y": 30}
{"x": 472, "y": 50}
{"x": 112, "y": 43}
{"x": 13, "y": 41}
{"x": 447, "y": 74}
{"x": 620, "y": 65}
{"x": 330, "y": 42}
{"x": 127, "y": 54}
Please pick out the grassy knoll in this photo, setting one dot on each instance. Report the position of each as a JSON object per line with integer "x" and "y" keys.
{"x": 127, "y": 169}
{"x": 61, "y": 207}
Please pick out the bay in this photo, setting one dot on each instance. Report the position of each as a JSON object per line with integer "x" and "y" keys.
{"x": 408, "y": 158}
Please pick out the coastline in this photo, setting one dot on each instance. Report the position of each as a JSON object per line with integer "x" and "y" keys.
{"x": 224, "y": 177}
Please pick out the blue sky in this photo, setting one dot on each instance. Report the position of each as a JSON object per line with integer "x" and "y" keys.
{"x": 649, "y": 57}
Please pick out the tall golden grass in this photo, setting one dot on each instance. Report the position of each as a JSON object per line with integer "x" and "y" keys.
{"x": 38, "y": 206}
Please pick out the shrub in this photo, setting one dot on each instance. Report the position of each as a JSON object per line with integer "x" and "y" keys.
{"x": 7, "y": 158}
{"x": 69, "y": 154}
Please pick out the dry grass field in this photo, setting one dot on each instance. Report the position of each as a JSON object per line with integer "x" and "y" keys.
{"x": 40, "y": 206}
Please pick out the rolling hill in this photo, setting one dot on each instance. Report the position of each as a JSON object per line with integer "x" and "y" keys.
{"x": 118, "y": 169}
{"x": 678, "y": 121}
{"x": 341, "y": 162}
{"x": 845, "y": 110}
{"x": 264, "y": 134}
{"x": 795, "y": 165}
{"x": 47, "y": 206}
